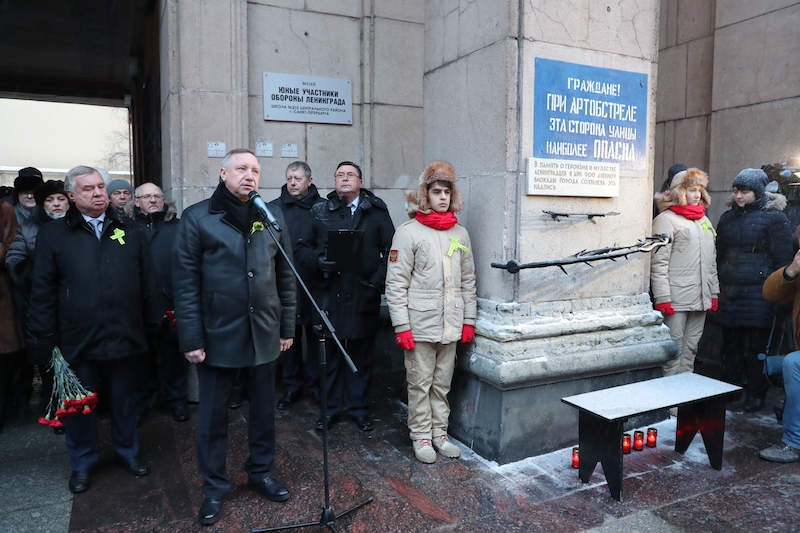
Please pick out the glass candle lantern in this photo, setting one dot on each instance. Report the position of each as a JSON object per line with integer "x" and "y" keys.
{"x": 638, "y": 440}
{"x": 576, "y": 457}
{"x": 626, "y": 443}
{"x": 652, "y": 437}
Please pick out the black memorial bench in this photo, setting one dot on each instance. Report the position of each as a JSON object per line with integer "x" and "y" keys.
{"x": 601, "y": 414}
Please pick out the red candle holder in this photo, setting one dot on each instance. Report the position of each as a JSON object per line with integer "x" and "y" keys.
{"x": 626, "y": 443}
{"x": 652, "y": 437}
{"x": 638, "y": 440}
{"x": 576, "y": 457}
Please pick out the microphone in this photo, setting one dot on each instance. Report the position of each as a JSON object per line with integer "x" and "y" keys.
{"x": 259, "y": 203}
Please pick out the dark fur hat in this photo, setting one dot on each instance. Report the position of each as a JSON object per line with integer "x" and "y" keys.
{"x": 439, "y": 171}
{"x": 28, "y": 179}
{"x": 676, "y": 194}
{"x": 46, "y": 189}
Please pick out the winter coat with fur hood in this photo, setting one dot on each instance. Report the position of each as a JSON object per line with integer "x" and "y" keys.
{"x": 752, "y": 242}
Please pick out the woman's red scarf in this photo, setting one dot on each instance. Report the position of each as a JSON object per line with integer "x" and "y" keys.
{"x": 440, "y": 221}
{"x": 692, "y": 212}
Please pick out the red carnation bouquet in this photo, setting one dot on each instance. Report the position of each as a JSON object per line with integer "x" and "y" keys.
{"x": 69, "y": 397}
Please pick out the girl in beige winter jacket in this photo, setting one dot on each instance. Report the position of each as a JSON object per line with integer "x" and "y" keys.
{"x": 683, "y": 274}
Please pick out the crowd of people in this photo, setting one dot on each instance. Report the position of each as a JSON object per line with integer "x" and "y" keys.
{"x": 743, "y": 272}
{"x": 131, "y": 295}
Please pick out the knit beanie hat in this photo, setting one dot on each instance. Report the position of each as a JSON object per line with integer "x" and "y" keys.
{"x": 28, "y": 179}
{"x": 439, "y": 171}
{"x": 118, "y": 184}
{"x": 754, "y": 179}
{"x": 676, "y": 194}
{"x": 46, "y": 189}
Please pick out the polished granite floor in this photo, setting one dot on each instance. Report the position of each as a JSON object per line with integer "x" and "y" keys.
{"x": 662, "y": 491}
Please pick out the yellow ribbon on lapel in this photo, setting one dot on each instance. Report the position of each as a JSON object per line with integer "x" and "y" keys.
{"x": 455, "y": 245}
{"x": 118, "y": 236}
{"x": 707, "y": 226}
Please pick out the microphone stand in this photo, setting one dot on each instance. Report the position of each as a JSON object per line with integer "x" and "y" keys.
{"x": 328, "y": 517}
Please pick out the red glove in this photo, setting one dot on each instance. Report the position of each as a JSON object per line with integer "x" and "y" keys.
{"x": 405, "y": 340}
{"x": 714, "y": 305}
{"x": 665, "y": 308}
{"x": 467, "y": 333}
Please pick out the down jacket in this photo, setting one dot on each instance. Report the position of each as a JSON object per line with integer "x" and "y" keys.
{"x": 752, "y": 242}
{"x": 684, "y": 272}
{"x": 234, "y": 291}
{"x": 430, "y": 282}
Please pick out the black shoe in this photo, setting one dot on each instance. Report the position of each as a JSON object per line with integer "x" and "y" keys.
{"x": 133, "y": 465}
{"x": 364, "y": 423}
{"x": 140, "y": 418}
{"x": 210, "y": 511}
{"x": 236, "y": 399}
{"x": 272, "y": 489}
{"x": 180, "y": 413}
{"x": 59, "y": 430}
{"x": 314, "y": 394}
{"x": 79, "y": 481}
{"x": 753, "y": 404}
{"x": 288, "y": 399}
{"x": 330, "y": 419}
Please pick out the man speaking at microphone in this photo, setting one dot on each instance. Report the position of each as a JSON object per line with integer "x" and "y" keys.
{"x": 235, "y": 306}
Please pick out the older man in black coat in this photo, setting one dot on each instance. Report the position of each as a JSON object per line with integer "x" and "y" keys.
{"x": 91, "y": 296}
{"x": 298, "y": 196}
{"x": 235, "y": 306}
{"x": 352, "y": 299}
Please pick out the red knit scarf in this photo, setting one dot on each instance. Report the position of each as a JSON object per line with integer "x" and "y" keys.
{"x": 692, "y": 212}
{"x": 440, "y": 221}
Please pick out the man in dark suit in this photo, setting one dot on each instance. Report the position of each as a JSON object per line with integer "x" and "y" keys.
{"x": 298, "y": 196}
{"x": 235, "y": 305}
{"x": 353, "y": 299}
{"x": 92, "y": 293}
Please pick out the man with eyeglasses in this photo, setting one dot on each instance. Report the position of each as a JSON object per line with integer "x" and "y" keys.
{"x": 298, "y": 196}
{"x": 161, "y": 227}
{"x": 352, "y": 299}
{"x": 27, "y": 180}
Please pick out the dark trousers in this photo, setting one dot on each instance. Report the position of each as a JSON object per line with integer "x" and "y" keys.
{"x": 212, "y": 425}
{"x": 81, "y": 430}
{"x": 298, "y": 374}
{"x": 164, "y": 363}
{"x": 740, "y": 364}
{"x": 341, "y": 380}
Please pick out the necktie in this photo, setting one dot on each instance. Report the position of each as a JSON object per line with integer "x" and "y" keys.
{"x": 98, "y": 227}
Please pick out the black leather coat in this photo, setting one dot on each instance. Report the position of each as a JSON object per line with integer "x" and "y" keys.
{"x": 352, "y": 299}
{"x": 234, "y": 292}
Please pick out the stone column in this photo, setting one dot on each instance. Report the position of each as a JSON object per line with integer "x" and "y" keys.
{"x": 203, "y": 92}
{"x": 542, "y": 334}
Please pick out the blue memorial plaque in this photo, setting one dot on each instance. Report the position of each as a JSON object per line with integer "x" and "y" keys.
{"x": 592, "y": 114}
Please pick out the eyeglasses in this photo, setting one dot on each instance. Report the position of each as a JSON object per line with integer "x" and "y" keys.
{"x": 149, "y": 196}
{"x": 349, "y": 175}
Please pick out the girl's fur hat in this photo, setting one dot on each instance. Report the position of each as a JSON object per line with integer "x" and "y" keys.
{"x": 676, "y": 194}
{"x": 439, "y": 171}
